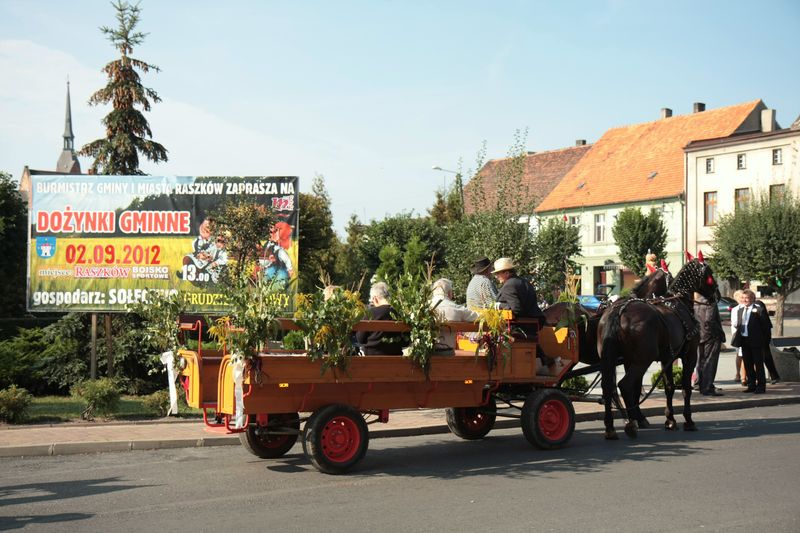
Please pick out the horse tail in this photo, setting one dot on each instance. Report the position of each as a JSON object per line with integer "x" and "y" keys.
{"x": 610, "y": 352}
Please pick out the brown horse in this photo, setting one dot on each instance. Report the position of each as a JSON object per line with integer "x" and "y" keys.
{"x": 586, "y": 320}
{"x": 641, "y": 331}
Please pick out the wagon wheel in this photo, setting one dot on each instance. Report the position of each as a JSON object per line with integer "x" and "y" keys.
{"x": 335, "y": 438}
{"x": 472, "y": 423}
{"x": 548, "y": 418}
{"x": 273, "y": 440}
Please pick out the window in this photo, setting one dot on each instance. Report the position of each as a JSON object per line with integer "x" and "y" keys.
{"x": 777, "y": 156}
{"x": 600, "y": 227}
{"x": 776, "y": 192}
{"x": 710, "y": 165}
{"x": 742, "y": 198}
{"x": 574, "y": 220}
{"x": 710, "y": 208}
{"x": 741, "y": 161}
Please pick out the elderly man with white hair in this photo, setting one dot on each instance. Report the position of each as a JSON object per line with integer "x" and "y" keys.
{"x": 442, "y": 302}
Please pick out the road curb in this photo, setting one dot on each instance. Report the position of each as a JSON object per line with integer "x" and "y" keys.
{"x": 73, "y": 448}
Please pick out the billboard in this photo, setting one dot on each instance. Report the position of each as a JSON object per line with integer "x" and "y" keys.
{"x": 99, "y": 243}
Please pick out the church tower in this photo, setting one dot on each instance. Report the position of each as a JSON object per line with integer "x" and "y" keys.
{"x": 68, "y": 161}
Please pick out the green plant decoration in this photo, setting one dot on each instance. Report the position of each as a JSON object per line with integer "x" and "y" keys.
{"x": 256, "y": 306}
{"x": 494, "y": 335}
{"x": 411, "y": 301}
{"x": 161, "y": 312}
{"x": 327, "y": 325}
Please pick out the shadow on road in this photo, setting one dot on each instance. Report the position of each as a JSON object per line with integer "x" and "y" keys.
{"x": 55, "y": 491}
{"x": 512, "y": 456}
{"x": 18, "y": 522}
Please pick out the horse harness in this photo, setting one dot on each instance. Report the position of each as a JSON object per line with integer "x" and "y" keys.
{"x": 674, "y": 303}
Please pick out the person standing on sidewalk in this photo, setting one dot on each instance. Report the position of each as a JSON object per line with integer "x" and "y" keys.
{"x": 769, "y": 362}
{"x": 754, "y": 327}
{"x": 711, "y": 338}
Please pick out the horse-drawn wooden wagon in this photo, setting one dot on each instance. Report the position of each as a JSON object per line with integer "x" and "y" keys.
{"x": 284, "y": 396}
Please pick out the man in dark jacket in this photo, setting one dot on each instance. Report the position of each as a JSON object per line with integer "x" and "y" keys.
{"x": 754, "y": 326}
{"x": 517, "y": 295}
{"x": 711, "y": 338}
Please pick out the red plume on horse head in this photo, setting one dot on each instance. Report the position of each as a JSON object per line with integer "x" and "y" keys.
{"x": 700, "y": 256}
{"x": 689, "y": 256}
{"x": 664, "y": 266}
{"x": 650, "y": 268}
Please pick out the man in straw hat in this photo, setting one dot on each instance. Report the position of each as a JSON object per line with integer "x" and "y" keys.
{"x": 517, "y": 294}
{"x": 481, "y": 292}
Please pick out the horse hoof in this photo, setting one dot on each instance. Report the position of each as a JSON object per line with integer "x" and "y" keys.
{"x": 631, "y": 430}
{"x": 670, "y": 425}
{"x": 643, "y": 423}
{"x": 611, "y": 435}
{"x": 689, "y": 426}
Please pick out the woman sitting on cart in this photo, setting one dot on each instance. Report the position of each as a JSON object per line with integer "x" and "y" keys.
{"x": 442, "y": 302}
{"x": 380, "y": 342}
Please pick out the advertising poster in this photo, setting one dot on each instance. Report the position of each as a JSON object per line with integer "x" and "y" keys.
{"x": 99, "y": 243}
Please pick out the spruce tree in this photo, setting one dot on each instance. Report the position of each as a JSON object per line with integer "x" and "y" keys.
{"x": 128, "y": 133}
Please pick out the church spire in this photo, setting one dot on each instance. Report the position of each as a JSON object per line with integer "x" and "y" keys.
{"x": 68, "y": 161}
{"x": 69, "y": 137}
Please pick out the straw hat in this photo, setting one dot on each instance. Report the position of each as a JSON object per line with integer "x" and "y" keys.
{"x": 504, "y": 263}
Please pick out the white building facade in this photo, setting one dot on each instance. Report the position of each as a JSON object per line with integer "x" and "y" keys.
{"x": 722, "y": 174}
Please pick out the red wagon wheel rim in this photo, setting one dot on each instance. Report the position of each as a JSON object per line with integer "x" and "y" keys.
{"x": 554, "y": 420}
{"x": 340, "y": 439}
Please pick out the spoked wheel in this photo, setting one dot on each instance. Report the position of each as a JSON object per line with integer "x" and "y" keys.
{"x": 548, "y": 418}
{"x": 335, "y": 438}
{"x": 273, "y": 440}
{"x": 472, "y": 423}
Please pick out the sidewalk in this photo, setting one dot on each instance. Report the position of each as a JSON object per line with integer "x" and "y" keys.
{"x": 72, "y": 438}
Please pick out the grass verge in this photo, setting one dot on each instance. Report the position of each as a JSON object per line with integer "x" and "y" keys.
{"x": 49, "y": 409}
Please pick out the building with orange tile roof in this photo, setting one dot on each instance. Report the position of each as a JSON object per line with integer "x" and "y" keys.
{"x": 540, "y": 173}
{"x": 641, "y": 165}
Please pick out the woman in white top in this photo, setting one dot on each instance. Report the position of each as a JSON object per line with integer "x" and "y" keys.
{"x": 741, "y": 375}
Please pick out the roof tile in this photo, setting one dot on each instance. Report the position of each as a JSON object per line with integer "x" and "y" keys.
{"x": 642, "y": 161}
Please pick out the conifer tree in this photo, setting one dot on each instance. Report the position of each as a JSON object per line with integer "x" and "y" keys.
{"x": 128, "y": 133}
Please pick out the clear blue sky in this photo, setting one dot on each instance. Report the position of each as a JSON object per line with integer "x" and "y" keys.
{"x": 372, "y": 94}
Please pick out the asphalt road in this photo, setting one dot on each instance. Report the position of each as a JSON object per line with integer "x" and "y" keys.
{"x": 660, "y": 482}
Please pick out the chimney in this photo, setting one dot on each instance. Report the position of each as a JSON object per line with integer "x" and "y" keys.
{"x": 666, "y": 112}
{"x": 698, "y": 107}
{"x": 768, "y": 123}
{"x": 580, "y": 142}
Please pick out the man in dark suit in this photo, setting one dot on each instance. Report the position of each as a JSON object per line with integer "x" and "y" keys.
{"x": 754, "y": 325}
{"x": 711, "y": 338}
{"x": 517, "y": 295}
{"x": 769, "y": 362}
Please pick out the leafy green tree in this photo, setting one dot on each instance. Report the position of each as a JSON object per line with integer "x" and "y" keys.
{"x": 128, "y": 133}
{"x": 244, "y": 224}
{"x": 637, "y": 234}
{"x": 14, "y": 235}
{"x": 317, "y": 238}
{"x": 391, "y": 266}
{"x": 399, "y": 230}
{"x": 556, "y": 243}
{"x": 448, "y": 206}
{"x": 492, "y": 234}
{"x": 350, "y": 264}
{"x": 762, "y": 242}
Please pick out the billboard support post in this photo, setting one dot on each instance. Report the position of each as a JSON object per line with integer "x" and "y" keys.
{"x": 93, "y": 363}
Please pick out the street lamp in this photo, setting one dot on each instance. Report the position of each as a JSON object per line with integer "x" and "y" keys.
{"x": 458, "y": 182}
